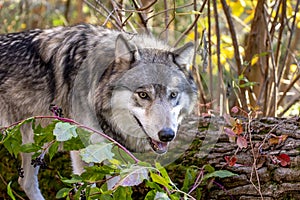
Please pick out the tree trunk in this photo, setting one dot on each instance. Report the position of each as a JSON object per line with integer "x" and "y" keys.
{"x": 276, "y": 181}
{"x": 257, "y": 72}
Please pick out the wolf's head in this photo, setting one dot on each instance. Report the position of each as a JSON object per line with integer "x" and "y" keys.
{"x": 149, "y": 92}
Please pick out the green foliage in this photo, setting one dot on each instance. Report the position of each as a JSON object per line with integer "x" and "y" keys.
{"x": 97, "y": 153}
{"x": 64, "y": 131}
{"x": 9, "y": 191}
{"x": 107, "y": 166}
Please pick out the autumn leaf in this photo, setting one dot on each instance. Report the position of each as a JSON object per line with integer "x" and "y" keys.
{"x": 230, "y": 160}
{"x": 277, "y": 139}
{"x": 231, "y": 135}
{"x": 238, "y": 128}
{"x": 241, "y": 142}
{"x": 229, "y": 131}
{"x": 229, "y": 120}
{"x": 284, "y": 159}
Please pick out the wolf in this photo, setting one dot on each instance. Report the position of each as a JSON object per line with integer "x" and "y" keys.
{"x": 133, "y": 87}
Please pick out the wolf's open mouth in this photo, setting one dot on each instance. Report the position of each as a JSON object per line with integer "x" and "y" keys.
{"x": 158, "y": 147}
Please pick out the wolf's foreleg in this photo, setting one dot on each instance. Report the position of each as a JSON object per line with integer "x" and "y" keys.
{"x": 77, "y": 163}
{"x": 29, "y": 182}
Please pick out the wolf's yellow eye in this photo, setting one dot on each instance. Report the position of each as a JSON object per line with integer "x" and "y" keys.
{"x": 143, "y": 95}
{"x": 173, "y": 95}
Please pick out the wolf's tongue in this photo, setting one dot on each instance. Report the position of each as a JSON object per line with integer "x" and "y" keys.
{"x": 159, "y": 147}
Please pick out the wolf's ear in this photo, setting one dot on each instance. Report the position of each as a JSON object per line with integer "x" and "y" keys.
{"x": 124, "y": 51}
{"x": 184, "y": 55}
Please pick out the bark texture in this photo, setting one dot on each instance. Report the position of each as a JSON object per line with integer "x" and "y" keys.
{"x": 270, "y": 180}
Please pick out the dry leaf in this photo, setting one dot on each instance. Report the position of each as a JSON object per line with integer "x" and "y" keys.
{"x": 241, "y": 142}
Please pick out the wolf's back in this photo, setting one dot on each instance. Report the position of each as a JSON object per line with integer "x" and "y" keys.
{"x": 38, "y": 67}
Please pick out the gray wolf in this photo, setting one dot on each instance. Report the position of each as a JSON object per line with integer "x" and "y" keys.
{"x": 133, "y": 87}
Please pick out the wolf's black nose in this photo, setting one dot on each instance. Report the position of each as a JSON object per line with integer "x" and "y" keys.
{"x": 166, "y": 134}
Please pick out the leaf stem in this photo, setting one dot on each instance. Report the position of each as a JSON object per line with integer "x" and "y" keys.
{"x": 71, "y": 121}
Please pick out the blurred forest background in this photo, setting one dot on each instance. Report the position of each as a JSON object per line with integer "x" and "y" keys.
{"x": 246, "y": 54}
{"x": 247, "y": 51}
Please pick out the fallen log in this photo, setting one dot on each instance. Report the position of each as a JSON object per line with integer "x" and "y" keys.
{"x": 267, "y": 165}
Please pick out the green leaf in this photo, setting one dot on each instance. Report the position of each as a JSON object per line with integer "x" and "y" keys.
{"x": 219, "y": 173}
{"x": 208, "y": 168}
{"x": 134, "y": 175}
{"x": 64, "y": 131}
{"x": 44, "y": 135}
{"x": 96, "y": 173}
{"x": 84, "y": 136}
{"x": 62, "y": 193}
{"x": 248, "y": 84}
{"x": 160, "y": 180}
{"x": 73, "y": 144}
{"x": 163, "y": 172}
{"x": 13, "y": 141}
{"x": 189, "y": 179}
{"x": 150, "y": 195}
{"x": 105, "y": 197}
{"x": 13, "y": 145}
{"x": 123, "y": 193}
{"x": 29, "y": 147}
{"x": 75, "y": 179}
{"x": 9, "y": 191}
{"x": 153, "y": 185}
{"x": 161, "y": 196}
{"x": 97, "y": 153}
{"x": 176, "y": 196}
{"x": 53, "y": 149}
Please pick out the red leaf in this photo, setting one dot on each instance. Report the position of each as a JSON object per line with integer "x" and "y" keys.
{"x": 241, "y": 142}
{"x": 230, "y": 160}
{"x": 284, "y": 159}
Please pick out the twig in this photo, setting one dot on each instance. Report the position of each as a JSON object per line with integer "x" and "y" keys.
{"x": 192, "y": 25}
{"x": 147, "y": 6}
{"x": 210, "y": 67}
{"x": 288, "y": 88}
{"x": 270, "y": 106}
{"x": 15, "y": 193}
{"x": 224, "y": 189}
{"x": 142, "y": 18}
{"x": 233, "y": 36}
{"x": 78, "y": 125}
{"x": 281, "y": 69}
{"x": 269, "y": 133}
{"x": 162, "y": 12}
{"x": 258, "y": 188}
{"x": 101, "y": 13}
{"x": 220, "y": 89}
{"x": 197, "y": 181}
{"x": 167, "y": 22}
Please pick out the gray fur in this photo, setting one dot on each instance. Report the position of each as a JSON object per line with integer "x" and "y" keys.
{"x": 96, "y": 76}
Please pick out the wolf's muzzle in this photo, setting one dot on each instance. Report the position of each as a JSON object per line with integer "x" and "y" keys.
{"x": 166, "y": 135}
